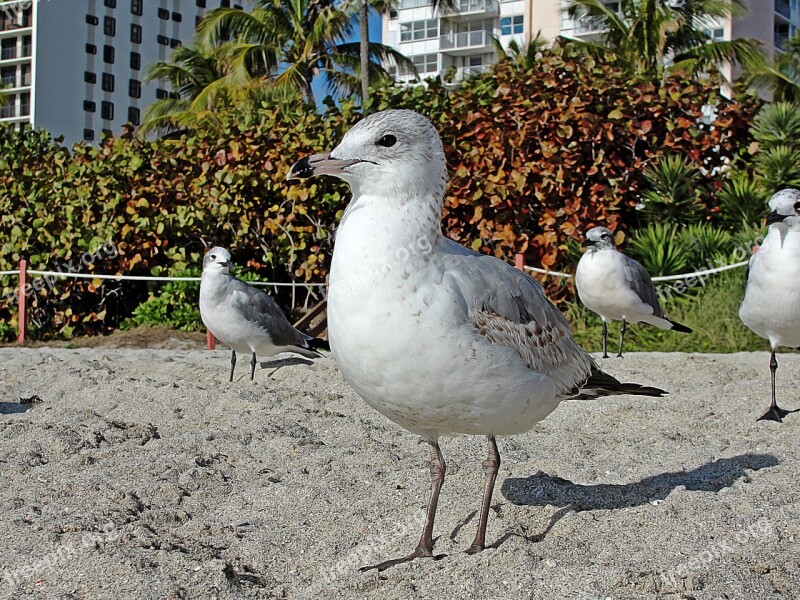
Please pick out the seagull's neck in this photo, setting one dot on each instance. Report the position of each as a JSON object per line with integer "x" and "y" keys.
{"x": 388, "y": 230}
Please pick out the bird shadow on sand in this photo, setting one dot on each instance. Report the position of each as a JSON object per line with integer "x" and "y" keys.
{"x": 542, "y": 489}
{"x": 12, "y": 408}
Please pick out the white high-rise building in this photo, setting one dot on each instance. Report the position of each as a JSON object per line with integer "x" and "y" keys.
{"x": 76, "y": 67}
{"x": 463, "y": 39}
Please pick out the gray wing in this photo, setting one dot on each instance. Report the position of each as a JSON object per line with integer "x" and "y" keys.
{"x": 258, "y": 308}
{"x": 508, "y": 307}
{"x": 638, "y": 279}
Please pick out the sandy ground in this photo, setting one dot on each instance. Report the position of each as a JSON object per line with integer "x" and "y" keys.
{"x": 145, "y": 474}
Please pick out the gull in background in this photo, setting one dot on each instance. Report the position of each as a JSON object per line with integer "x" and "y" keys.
{"x": 771, "y": 305}
{"x": 245, "y": 318}
{"x": 438, "y": 338}
{"x": 617, "y": 288}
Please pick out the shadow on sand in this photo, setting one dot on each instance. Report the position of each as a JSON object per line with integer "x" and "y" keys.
{"x": 541, "y": 489}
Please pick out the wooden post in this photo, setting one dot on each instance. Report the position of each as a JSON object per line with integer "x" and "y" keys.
{"x": 519, "y": 262}
{"x": 22, "y": 301}
{"x": 211, "y": 341}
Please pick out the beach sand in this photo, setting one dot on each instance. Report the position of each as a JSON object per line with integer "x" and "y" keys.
{"x": 145, "y": 474}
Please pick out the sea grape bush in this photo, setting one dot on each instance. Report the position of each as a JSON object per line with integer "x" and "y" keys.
{"x": 535, "y": 157}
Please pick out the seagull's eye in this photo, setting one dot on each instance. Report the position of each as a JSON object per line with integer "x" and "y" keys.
{"x": 387, "y": 141}
{"x": 213, "y": 257}
{"x": 797, "y": 207}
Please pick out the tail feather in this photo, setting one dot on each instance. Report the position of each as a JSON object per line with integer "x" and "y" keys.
{"x": 600, "y": 384}
{"x": 678, "y": 327}
{"x": 318, "y": 344}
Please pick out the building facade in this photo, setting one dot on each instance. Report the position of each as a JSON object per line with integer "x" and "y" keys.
{"x": 463, "y": 39}
{"x": 76, "y": 68}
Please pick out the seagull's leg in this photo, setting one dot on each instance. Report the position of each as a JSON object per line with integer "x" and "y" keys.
{"x": 775, "y": 412}
{"x": 490, "y": 467}
{"x": 425, "y": 545}
{"x": 621, "y": 338}
{"x": 605, "y": 338}
{"x": 253, "y": 367}
{"x": 233, "y": 363}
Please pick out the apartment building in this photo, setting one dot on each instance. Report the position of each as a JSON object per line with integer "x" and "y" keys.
{"x": 76, "y": 68}
{"x": 462, "y": 39}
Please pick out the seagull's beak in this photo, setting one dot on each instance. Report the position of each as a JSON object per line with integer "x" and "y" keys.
{"x": 587, "y": 242}
{"x": 318, "y": 164}
{"x": 226, "y": 263}
{"x": 775, "y": 217}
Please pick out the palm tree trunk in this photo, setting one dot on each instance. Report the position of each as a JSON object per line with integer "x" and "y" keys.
{"x": 363, "y": 21}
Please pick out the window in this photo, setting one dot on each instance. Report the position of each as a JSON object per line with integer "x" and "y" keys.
{"x": 88, "y": 134}
{"x": 110, "y": 3}
{"x": 134, "y": 116}
{"x": 509, "y": 25}
{"x": 161, "y": 94}
{"x": 175, "y": 43}
{"x": 392, "y": 12}
{"x": 26, "y": 74}
{"x": 136, "y": 7}
{"x": 475, "y": 61}
{"x": 8, "y": 76}
{"x": 108, "y": 82}
{"x": 10, "y": 109}
{"x": 177, "y": 17}
{"x": 89, "y": 77}
{"x": 136, "y": 33}
{"x": 225, "y": 3}
{"x": 197, "y": 20}
{"x": 107, "y": 133}
{"x": 27, "y": 45}
{"x": 89, "y": 106}
{"x": 200, "y": 3}
{"x": 135, "y": 88}
{"x": 109, "y": 26}
{"x": 25, "y": 104}
{"x": 163, "y": 13}
{"x": 108, "y": 54}
{"x": 92, "y": 20}
{"x": 90, "y": 49}
{"x": 163, "y": 40}
{"x": 136, "y": 61}
{"x": 426, "y": 63}
{"x": 107, "y": 110}
{"x": 419, "y": 30}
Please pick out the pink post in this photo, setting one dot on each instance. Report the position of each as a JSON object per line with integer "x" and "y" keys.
{"x": 519, "y": 261}
{"x": 211, "y": 341}
{"x": 22, "y": 304}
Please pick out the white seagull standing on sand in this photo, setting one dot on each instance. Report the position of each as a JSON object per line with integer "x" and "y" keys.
{"x": 771, "y": 305}
{"x": 247, "y": 319}
{"x": 438, "y": 338}
{"x": 617, "y": 288}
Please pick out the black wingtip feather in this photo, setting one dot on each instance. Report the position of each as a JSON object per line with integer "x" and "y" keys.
{"x": 679, "y": 327}
{"x": 319, "y": 344}
{"x": 602, "y": 384}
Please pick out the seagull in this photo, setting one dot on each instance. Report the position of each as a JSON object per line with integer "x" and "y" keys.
{"x": 617, "y": 288}
{"x": 771, "y": 305}
{"x": 245, "y": 318}
{"x": 438, "y": 338}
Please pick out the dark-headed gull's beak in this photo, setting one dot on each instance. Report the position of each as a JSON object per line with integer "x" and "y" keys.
{"x": 225, "y": 263}
{"x": 775, "y": 217}
{"x": 587, "y": 242}
{"x": 318, "y": 164}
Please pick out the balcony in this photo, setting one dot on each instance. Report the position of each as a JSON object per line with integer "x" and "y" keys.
{"x": 8, "y": 53}
{"x": 463, "y": 73}
{"x": 783, "y": 9}
{"x": 464, "y": 42}
{"x": 469, "y": 8}
{"x": 780, "y": 40}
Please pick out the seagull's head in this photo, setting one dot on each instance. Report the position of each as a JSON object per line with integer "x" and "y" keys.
{"x": 598, "y": 238}
{"x": 217, "y": 260}
{"x": 392, "y": 153}
{"x": 785, "y": 206}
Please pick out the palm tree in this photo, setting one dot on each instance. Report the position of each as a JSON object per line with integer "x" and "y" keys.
{"x": 782, "y": 77}
{"x": 522, "y": 55}
{"x": 655, "y": 36}
{"x": 291, "y": 42}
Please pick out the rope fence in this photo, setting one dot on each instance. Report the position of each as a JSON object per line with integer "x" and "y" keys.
{"x": 23, "y": 272}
